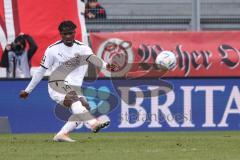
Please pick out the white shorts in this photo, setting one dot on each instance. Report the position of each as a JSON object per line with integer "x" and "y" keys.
{"x": 58, "y": 96}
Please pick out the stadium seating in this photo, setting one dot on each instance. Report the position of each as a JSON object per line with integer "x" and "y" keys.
{"x": 166, "y": 15}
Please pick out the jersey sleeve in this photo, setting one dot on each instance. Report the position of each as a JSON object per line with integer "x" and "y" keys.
{"x": 88, "y": 52}
{"x": 38, "y": 75}
{"x": 47, "y": 60}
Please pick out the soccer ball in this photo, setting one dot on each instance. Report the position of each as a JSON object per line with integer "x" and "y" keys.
{"x": 166, "y": 60}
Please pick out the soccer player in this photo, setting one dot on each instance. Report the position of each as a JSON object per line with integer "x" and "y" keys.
{"x": 63, "y": 51}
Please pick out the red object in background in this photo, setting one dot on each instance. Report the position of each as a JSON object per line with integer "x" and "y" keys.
{"x": 40, "y": 19}
{"x": 199, "y": 54}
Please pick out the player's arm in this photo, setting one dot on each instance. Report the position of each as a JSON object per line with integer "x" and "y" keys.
{"x": 46, "y": 63}
{"x": 37, "y": 77}
{"x": 93, "y": 59}
{"x": 98, "y": 62}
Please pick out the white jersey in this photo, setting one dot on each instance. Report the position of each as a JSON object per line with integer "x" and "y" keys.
{"x": 58, "y": 53}
{"x": 55, "y": 55}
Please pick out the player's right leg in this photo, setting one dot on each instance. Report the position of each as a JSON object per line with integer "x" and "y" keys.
{"x": 97, "y": 126}
{"x": 80, "y": 113}
{"x": 84, "y": 115}
{"x": 63, "y": 134}
{"x": 62, "y": 138}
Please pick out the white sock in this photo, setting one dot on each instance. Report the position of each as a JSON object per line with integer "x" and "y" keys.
{"x": 68, "y": 127}
{"x": 92, "y": 122}
{"x": 77, "y": 108}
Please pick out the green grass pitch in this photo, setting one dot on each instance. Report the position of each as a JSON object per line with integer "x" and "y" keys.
{"x": 123, "y": 146}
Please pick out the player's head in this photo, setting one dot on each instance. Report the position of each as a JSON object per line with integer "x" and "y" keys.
{"x": 67, "y": 32}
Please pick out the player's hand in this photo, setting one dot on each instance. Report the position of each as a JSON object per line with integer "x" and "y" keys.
{"x": 23, "y": 94}
{"x": 112, "y": 67}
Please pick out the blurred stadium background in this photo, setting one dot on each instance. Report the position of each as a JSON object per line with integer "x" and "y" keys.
{"x": 198, "y": 119}
{"x": 173, "y": 15}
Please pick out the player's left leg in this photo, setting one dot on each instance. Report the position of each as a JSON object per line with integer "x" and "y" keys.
{"x": 63, "y": 134}
{"x": 83, "y": 114}
{"x": 97, "y": 126}
{"x": 80, "y": 113}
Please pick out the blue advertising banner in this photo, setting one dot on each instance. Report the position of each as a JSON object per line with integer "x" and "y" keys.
{"x": 131, "y": 105}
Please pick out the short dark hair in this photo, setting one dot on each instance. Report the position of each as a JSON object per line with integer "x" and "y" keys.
{"x": 66, "y": 25}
